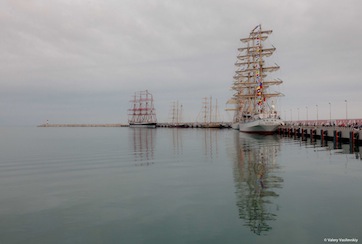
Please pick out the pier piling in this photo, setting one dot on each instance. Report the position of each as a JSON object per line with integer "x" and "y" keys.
{"x": 336, "y": 134}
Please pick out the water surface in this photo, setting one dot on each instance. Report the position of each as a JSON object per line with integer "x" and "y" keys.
{"x": 134, "y": 185}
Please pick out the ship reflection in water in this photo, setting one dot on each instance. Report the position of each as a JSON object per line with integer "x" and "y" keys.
{"x": 256, "y": 180}
{"x": 143, "y": 142}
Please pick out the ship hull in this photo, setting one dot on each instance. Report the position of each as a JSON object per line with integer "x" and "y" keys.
{"x": 260, "y": 126}
{"x": 235, "y": 126}
{"x": 142, "y": 125}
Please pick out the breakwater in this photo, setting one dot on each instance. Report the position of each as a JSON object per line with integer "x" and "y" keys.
{"x": 165, "y": 125}
{"x": 220, "y": 125}
{"x": 83, "y": 125}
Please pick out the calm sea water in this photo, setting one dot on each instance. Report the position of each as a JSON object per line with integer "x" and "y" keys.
{"x": 123, "y": 185}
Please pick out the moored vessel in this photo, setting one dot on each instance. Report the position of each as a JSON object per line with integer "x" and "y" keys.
{"x": 142, "y": 111}
{"x": 254, "y": 110}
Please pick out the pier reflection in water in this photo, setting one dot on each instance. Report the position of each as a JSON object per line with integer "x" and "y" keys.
{"x": 257, "y": 180}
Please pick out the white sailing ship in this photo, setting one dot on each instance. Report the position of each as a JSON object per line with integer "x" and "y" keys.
{"x": 255, "y": 110}
{"x": 142, "y": 111}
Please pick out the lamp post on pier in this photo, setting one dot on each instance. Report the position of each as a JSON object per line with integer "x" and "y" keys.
{"x": 285, "y": 115}
{"x": 330, "y": 113}
{"x": 317, "y": 113}
{"x": 298, "y": 114}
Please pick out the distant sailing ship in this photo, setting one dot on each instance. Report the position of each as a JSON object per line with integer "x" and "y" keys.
{"x": 142, "y": 111}
{"x": 254, "y": 108}
{"x": 208, "y": 117}
{"x": 176, "y": 115}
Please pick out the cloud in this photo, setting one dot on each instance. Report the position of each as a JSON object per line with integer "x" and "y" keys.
{"x": 177, "y": 49}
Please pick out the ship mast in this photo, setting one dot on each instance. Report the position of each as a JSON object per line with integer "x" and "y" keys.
{"x": 209, "y": 112}
{"x": 176, "y": 113}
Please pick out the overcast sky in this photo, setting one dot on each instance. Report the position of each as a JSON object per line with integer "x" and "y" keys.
{"x": 80, "y": 61}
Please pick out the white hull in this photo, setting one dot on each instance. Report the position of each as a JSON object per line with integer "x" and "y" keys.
{"x": 235, "y": 126}
{"x": 260, "y": 126}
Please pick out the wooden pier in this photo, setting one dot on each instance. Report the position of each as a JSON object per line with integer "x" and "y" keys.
{"x": 336, "y": 134}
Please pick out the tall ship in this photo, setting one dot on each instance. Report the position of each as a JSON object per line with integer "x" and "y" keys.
{"x": 209, "y": 115}
{"x": 176, "y": 115}
{"x": 254, "y": 101}
{"x": 142, "y": 112}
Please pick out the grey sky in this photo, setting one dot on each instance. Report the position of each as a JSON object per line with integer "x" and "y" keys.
{"x": 74, "y": 61}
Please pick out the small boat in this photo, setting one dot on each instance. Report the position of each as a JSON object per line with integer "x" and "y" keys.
{"x": 142, "y": 111}
{"x": 254, "y": 105}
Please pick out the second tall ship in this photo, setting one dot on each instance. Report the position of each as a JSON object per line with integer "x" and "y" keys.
{"x": 255, "y": 110}
{"x": 142, "y": 111}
